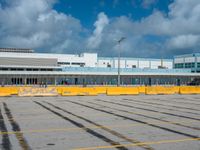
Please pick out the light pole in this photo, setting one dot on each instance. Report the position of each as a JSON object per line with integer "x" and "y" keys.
{"x": 119, "y": 42}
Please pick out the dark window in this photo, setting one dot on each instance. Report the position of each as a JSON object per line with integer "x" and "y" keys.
{"x": 35, "y": 70}
{"x": 81, "y": 64}
{"x": 179, "y": 65}
{"x": 63, "y": 63}
{"x": 198, "y": 65}
{"x": 189, "y": 65}
{"x": 20, "y": 69}
{"x": 133, "y": 66}
{"x": 109, "y": 65}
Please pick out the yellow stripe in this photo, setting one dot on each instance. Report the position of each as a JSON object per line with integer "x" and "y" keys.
{"x": 78, "y": 129}
{"x": 142, "y": 143}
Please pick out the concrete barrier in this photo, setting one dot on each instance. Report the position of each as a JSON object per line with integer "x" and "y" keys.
{"x": 122, "y": 91}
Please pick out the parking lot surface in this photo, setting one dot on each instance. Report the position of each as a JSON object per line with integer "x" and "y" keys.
{"x": 149, "y": 122}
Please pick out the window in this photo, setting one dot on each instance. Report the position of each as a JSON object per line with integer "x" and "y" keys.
{"x": 108, "y": 65}
{"x": 180, "y": 65}
{"x": 198, "y": 65}
{"x": 133, "y": 66}
{"x": 81, "y": 64}
{"x": 63, "y": 63}
{"x": 189, "y": 65}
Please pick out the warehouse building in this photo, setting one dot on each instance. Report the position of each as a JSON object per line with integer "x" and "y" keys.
{"x": 25, "y": 67}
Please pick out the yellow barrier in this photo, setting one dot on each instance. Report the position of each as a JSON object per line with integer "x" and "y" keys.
{"x": 79, "y": 91}
{"x": 176, "y": 89}
{"x": 8, "y": 91}
{"x": 101, "y": 89}
{"x": 189, "y": 90}
{"x": 122, "y": 91}
{"x": 154, "y": 90}
{"x": 74, "y": 91}
{"x": 150, "y": 90}
{"x": 34, "y": 91}
{"x": 142, "y": 89}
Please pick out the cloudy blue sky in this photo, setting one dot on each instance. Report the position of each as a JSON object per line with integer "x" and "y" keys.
{"x": 153, "y": 28}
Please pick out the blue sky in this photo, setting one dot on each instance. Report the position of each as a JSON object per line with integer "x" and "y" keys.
{"x": 153, "y": 28}
{"x": 87, "y": 10}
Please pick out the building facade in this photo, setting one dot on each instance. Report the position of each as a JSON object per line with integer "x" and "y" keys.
{"x": 24, "y": 67}
{"x": 189, "y": 61}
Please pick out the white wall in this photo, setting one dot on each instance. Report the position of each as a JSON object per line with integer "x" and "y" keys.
{"x": 189, "y": 59}
{"x": 144, "y": 64}
{"x": 179, "y": 60}
{"x": 130, "y": 63}
{"x": 198, "y": 59}
{"x": 90, "y": 59}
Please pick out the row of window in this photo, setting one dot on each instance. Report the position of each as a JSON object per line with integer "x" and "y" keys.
{"x": 73, "y": 63}
{"x": 28, "y": 69}
{"x": 187, "y": 65}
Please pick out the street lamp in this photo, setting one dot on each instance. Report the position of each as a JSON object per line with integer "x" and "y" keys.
{"x": 119, "y": 42}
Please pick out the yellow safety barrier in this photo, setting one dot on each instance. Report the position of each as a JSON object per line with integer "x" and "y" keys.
{"x": 35, "y": 91}
{"x": 122, "y": 91}
{"x": 154, "y": 90}
{"x": 190, "y": 90}
{"x": 79, "y": 91}
{"x": 176, "y": 89}
{"x": 8, "y": 91}
{"x": 60, "y": 89}
{"x": 101, "y": 89}
{"x": 142, "y": 89}
{"x": 150, "y": 90}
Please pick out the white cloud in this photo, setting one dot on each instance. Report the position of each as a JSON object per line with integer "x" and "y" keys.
{"x": 96, "y": 38}
{"x": 35, "y": 24}
{"x": 184, "y": 42}
{"x": 178, "y": 29}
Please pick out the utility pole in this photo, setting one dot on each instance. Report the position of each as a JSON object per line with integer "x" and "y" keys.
{"x": 119, "y": 55}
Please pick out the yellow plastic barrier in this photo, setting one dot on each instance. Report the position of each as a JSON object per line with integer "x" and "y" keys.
{"x": 165, "y": 90}
{"x": 142, "y": 89}
{"x": 13, "y": 90}
{"x": 79, "y": 91}
{"x": 122, "y": 91}
{"x": 176, "y": 89}
{"x": 101, "y": 89}
{"x": 189, "y": 90}
{"x": 34, "y": 91}
{"x": 154, "y": 90}
{"x": 5, "y": 91}
{"x": 150, "y": 90}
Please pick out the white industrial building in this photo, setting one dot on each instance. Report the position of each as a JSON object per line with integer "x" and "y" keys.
{"x": 23, "y": 66}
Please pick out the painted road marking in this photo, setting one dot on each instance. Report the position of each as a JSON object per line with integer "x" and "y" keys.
{"x": 143, "y": 143}
{"x": 78, "y": 129}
